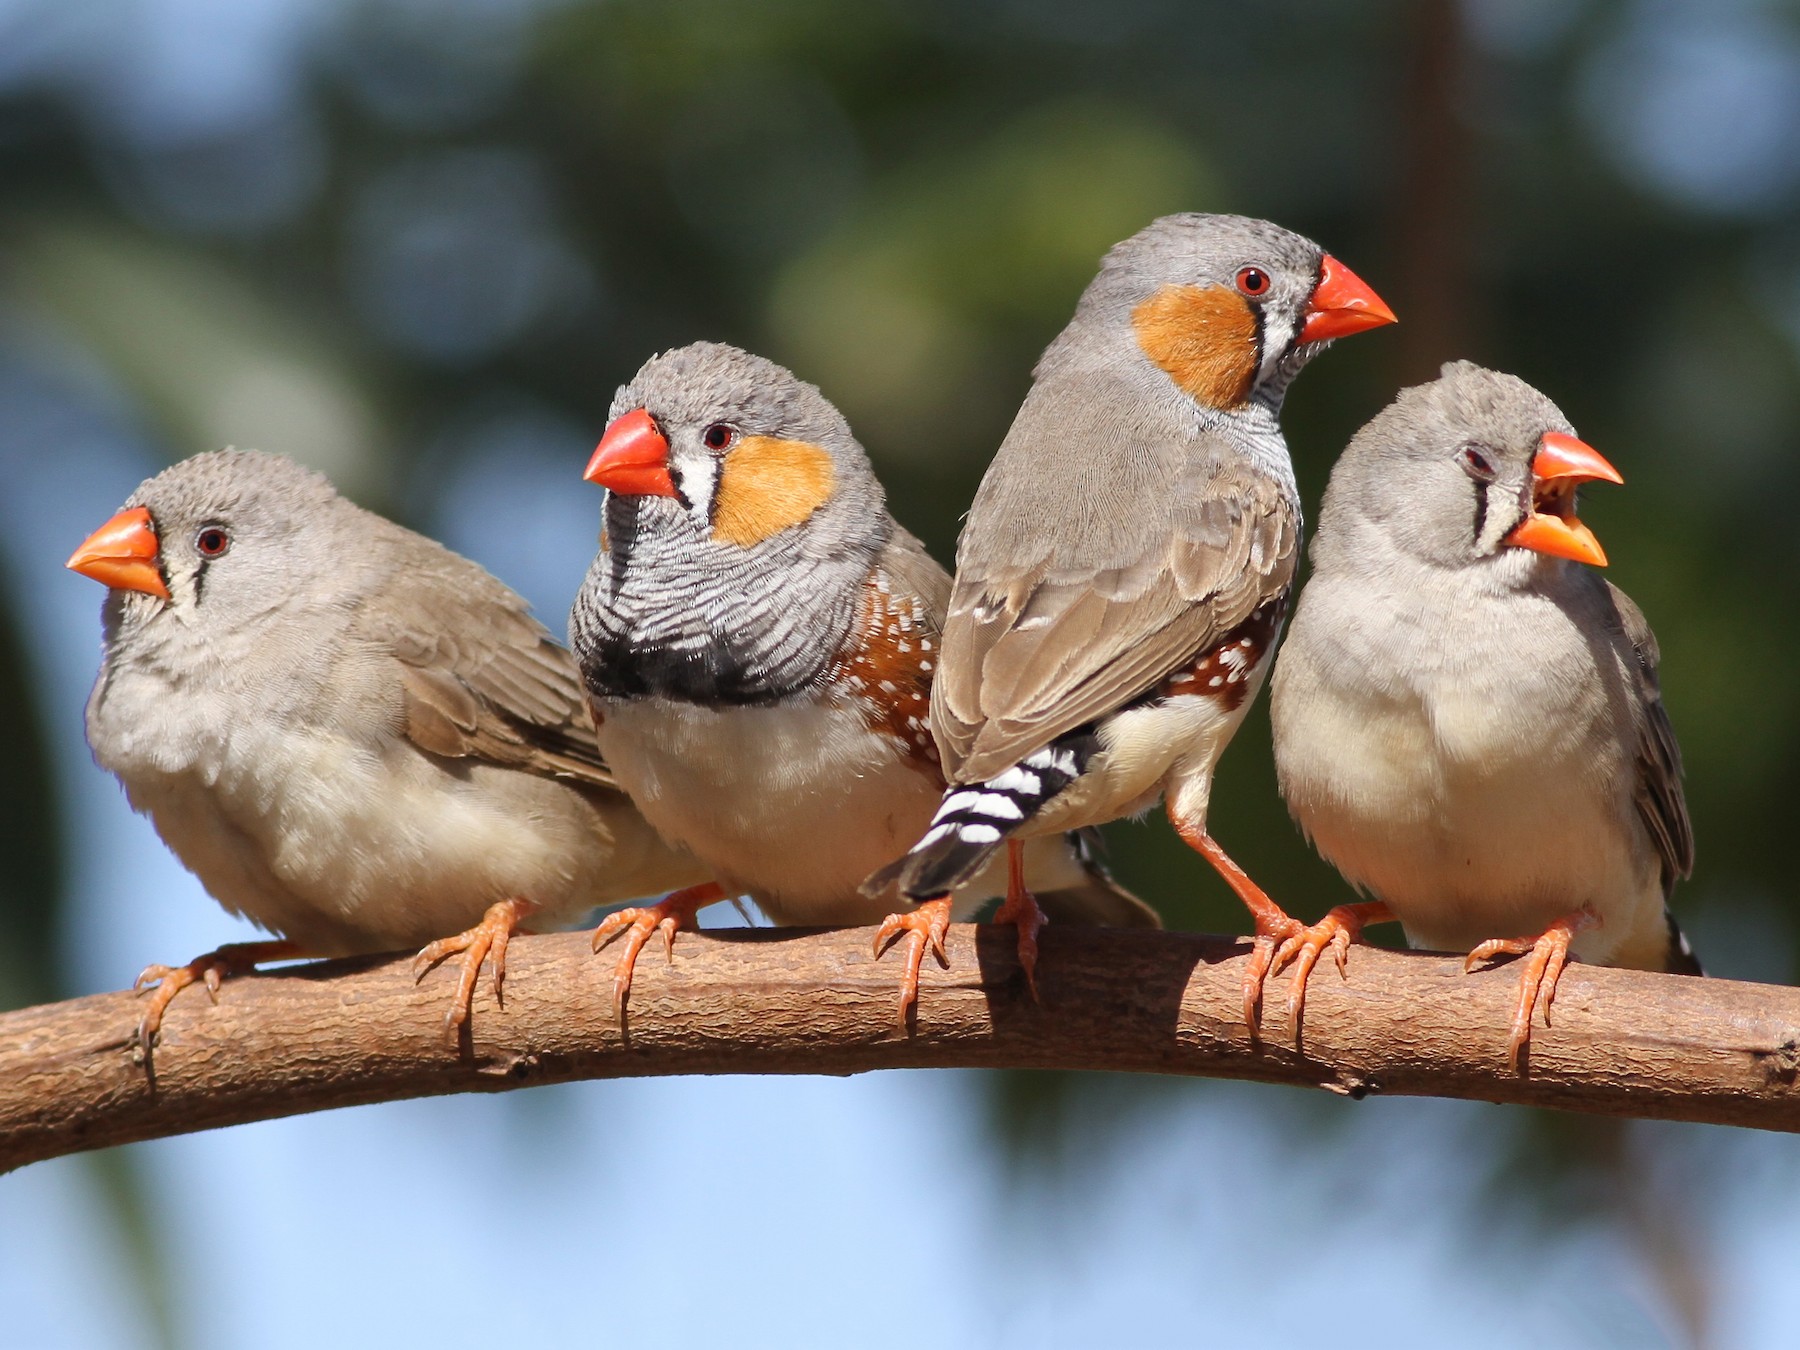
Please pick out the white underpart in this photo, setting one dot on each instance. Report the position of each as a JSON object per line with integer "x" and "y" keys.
{"x": 793, "y": 804}
{"x": 366, "y": 847}
{"x": 1459, "y": 785}
{"x": 1169, "y": 748}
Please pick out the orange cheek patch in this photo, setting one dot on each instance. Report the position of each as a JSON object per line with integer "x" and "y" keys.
{"x": 1204, "y": 337}
{"x": 766, "y": 485}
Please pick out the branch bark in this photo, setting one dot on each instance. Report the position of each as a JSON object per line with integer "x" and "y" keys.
{"x": 344, "y": 1033}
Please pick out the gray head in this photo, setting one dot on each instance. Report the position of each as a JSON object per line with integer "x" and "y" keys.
{"x": 733, "y": 451}
{"x": 216, "y": 542}
{"x": 1228, "y": 307}
{"x": 736, "y": 492}
{"x": 1474, "y": 470}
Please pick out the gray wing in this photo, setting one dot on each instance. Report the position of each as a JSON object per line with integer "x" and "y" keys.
{"x": 1660, "y": 802}
{"x": 480, "y": 677}
{"x": 915, "y": 569}
{"x": 1104, "y": 550}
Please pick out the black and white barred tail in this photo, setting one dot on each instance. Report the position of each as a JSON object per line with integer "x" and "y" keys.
{"x": 975, "y": 819}
{"x": 1680, "y": 959}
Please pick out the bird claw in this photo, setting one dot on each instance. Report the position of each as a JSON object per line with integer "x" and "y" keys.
{"x": 211, "y": 970}
{"x": 1336, "y": 931}
{"x": 489, "y": 937}
{"x": 673, "y": 912}
{"x": 1021, "y": 909}
{"x": 1547, "y": 954}
{"x": 927, "y": 925}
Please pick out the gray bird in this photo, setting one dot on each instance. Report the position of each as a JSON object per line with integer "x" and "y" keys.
{"x": 1467, "y": 718}
{"x": 758, "y": 637}
{"x": 1124, "y": 572}
{"x": 354, "y": 738}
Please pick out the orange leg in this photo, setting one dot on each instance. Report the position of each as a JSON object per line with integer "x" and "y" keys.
{"x": 1021, "y": 909}
{"x": 674, "y": 911}
{"x": 1549, "y": 953}
{"x": 1273, "y": 925}
{"x": 212, "y": 970}
{"x": 490, "y": 935}
{"x": 926, "y": 926}
{"x": 1337, "y": 930}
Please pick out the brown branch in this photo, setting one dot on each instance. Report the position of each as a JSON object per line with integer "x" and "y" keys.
{"x": 306, "y": 1038}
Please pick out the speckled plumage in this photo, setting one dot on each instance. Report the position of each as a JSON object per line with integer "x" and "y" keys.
{"x": 812, "y": 763}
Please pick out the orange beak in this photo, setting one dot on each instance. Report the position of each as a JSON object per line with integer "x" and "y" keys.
{"x": 1561, "y": 465}
{"x": 1342, "y": 304}
{"x": 632, "y": 458}
{"x": 123, "y": 554}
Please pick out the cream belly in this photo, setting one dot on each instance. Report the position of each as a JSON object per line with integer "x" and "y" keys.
{"x": 792, "y": 804}
{"x": 1468, "y": 823}
{"x": 354, "y": 850}
{"x": 1168, "y": 748}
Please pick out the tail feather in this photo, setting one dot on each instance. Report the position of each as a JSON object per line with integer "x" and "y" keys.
{"x": 1093, "y": 899}
{"x": 974, "y": 819}
{"x": 1680, "y": 959}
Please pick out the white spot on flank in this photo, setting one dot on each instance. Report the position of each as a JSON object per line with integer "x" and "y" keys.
{"x": 979, "y": 834}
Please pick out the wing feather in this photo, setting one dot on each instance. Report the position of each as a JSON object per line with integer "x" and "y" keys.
{"x": 1074, "y": 597}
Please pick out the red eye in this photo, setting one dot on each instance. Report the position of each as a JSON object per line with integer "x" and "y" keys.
{"x": 718, "y": 436}
{"x": 1477, "y": 465}
{"x": 1253, "y": 281}
{"x": 212, "y": 541}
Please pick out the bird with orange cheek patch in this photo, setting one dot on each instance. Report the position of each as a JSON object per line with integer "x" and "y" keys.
{"x": 1124, "y": 572}
{"x": 1467, "y": 718}
{"x": 758, "y": 638}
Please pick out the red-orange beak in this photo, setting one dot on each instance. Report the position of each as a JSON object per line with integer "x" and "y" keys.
{"x": 632, "y": 458}
{"x": 123, "y": 554}
{"x": 1342, "y": 304}
{"x": 1561, "y": 465}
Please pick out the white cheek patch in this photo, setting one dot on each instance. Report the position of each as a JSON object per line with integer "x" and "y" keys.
{"x": 1277, "y": 332}
{"x": 697, "y": 478}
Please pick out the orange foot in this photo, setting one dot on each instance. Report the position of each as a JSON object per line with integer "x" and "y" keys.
{"x": 1021, "y": 909}
{"x": 490, "y": 935}
{"x": 1337, "y": 930}
{"x": 1273, "y": 927}
{"x": 1549, "y": 954}
{"x": 926, "y": 925}
{"x": 212, "y": 970}
{"x": 673, "y": 912}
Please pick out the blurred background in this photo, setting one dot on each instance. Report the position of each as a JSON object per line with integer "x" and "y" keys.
{"x": 418, "y": 243}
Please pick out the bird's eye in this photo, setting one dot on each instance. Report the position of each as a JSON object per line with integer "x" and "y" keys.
{"x": 718, "y": 436}
{"x": 1476, "y": 464}
{"x": 1253, "y": 281}
{"x": 212, "y": 542}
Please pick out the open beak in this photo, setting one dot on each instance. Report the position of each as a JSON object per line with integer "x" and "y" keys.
{"x": 1561, "y": 465}
{"x": 632, "y": 458}
{"x": 1342, "y": 304}
{"x": 123, "y": 554}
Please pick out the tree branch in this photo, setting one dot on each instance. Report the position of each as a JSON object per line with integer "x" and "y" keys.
{"x": 343, "y": 1033}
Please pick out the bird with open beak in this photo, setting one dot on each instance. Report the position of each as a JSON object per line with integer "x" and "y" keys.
{"x": 1467, "y": 718}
